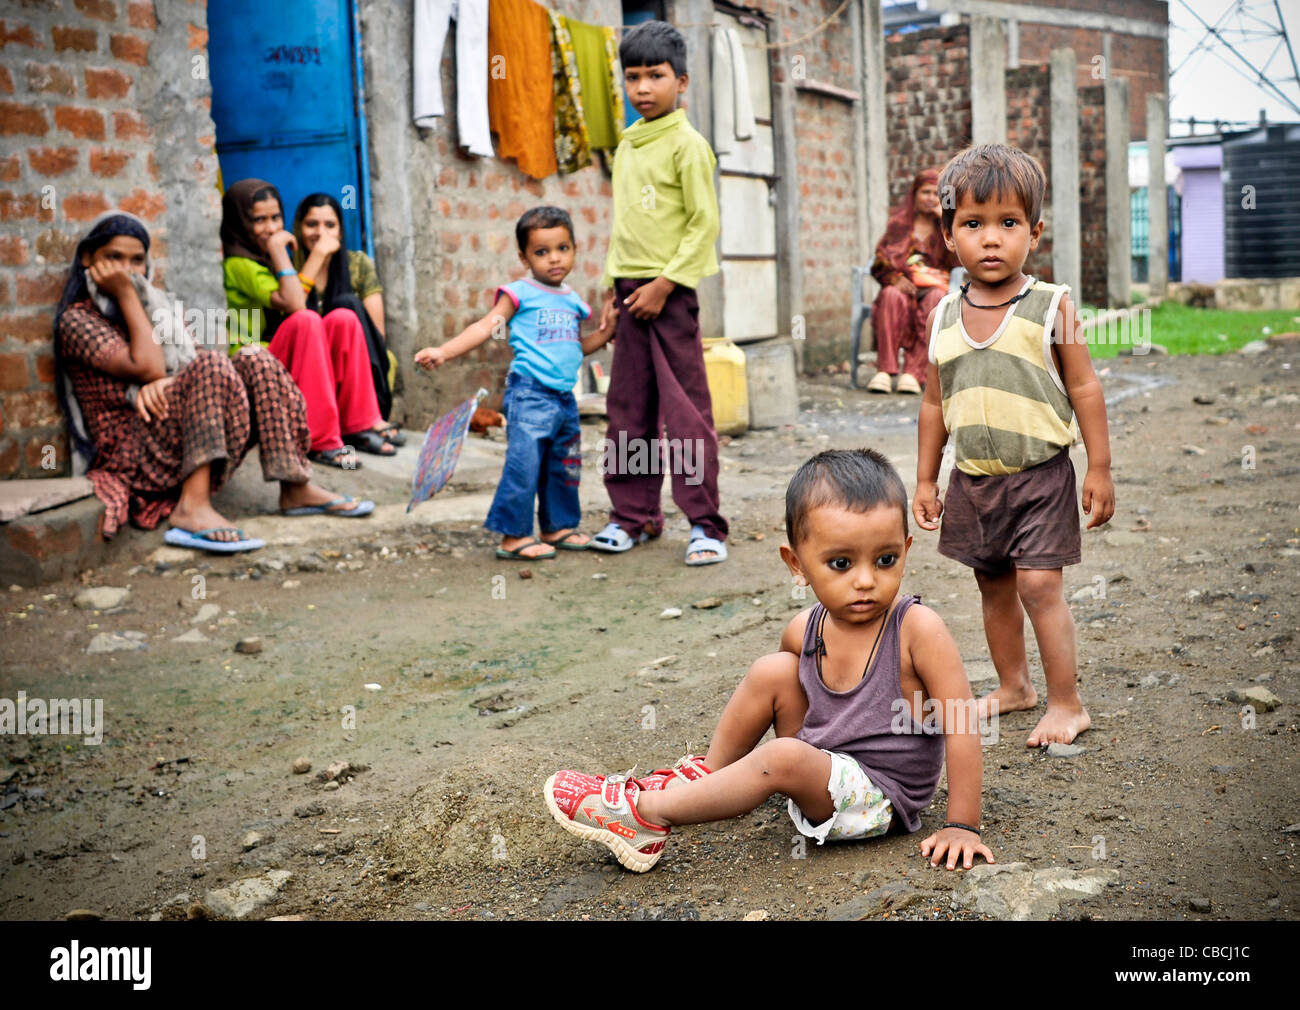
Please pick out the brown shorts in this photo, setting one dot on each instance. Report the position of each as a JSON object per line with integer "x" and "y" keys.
{"x": 1023, "y": 520}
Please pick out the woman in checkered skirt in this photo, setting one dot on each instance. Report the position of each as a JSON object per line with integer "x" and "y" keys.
{"x": 162, "y": 423}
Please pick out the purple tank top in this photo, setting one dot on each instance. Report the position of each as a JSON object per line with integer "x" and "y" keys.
{"x": 872, "y": 722}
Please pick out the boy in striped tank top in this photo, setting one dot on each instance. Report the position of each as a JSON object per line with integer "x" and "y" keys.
{"x": 1008, "y": 376}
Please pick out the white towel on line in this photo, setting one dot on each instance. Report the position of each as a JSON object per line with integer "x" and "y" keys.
{"x": 429, "y": 33}
{"x": 733, "y": 106}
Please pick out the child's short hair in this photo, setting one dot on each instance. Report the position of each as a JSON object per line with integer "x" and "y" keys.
{"x": 542, "y": 217}
{"x": 988, "y": 169}
{"x": 853, "y": 479}
{"x": 651, "y": 43}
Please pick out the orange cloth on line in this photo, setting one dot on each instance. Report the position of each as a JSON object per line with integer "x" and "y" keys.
{"x": 521, "y": 109}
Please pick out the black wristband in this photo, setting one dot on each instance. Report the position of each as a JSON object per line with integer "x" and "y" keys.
{"x": 964, "y": 827}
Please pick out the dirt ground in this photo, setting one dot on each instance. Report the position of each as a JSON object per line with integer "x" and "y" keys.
{"x": 1189, "y": 595}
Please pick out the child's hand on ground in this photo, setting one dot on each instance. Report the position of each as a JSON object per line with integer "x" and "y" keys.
{"x": 957, "y": 844}
{"x": 926, "y": 506}
{"x": 430, "y": 358}
{"x": 647, "y": 301}
{"x": 1098, "y": 497}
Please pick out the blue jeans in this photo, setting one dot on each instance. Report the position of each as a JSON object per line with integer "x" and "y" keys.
{"x": 543, "y": 459}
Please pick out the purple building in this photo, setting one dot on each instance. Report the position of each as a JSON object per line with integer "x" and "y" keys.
{"x": 1200, "y": 161}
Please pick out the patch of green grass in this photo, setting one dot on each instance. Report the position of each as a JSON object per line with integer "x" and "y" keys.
{"x": 1185, "y": 330}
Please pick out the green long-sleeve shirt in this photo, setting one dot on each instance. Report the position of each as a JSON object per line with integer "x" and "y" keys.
{"x": 665, "y": 207}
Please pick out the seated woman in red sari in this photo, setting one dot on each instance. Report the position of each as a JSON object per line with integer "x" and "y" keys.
{"x": 327, "y": 357}
{"x": 912, "y": 265}
{"x": 165, "y": 422}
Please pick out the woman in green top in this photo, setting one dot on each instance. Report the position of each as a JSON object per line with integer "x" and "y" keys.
{"x": 345, "y": 279}
{"x": 327, "y": 357}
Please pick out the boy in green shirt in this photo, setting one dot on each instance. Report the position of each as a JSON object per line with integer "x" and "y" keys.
{"x": 661, "y": 246}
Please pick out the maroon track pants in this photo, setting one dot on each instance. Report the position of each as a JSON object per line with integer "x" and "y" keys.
{"x": 657, "y": 380}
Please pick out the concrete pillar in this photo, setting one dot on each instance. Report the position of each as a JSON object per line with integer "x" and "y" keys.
{"x": 875, "y": 129}
{"x": 1158, "y": 198}
{"x": 988, "y": 81}
{"x": 1013, "y": 44}
{"x": 1064, "y": 193}
{"x": 1119, "y": 269}
{"x": 789, "y": 248}
{"x": 699, "y": 109}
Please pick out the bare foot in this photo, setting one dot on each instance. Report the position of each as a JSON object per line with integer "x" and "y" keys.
{"x": 577, "y": 539}
{"x": 1009, "y": 699}
{"x": 1059, "y": 724}
{"x": 293, "y": 496}
{"x": 193, "y": 518}
{"x": 533, "y": 550}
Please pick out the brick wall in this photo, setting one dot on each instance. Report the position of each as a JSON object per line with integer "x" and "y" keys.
{"x": 927, "y": 102}
{"x": 85, "y": 89}
{"x": 1092, "y": 194}
{"x": 1029, "y": 128}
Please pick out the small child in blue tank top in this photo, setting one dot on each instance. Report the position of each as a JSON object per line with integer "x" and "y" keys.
{"x": 544, "y": 439}
{"x": 864, "y": 697}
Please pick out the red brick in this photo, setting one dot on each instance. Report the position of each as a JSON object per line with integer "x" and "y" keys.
{"x": 102, "y": 82}
{"x": 21, "y": 35}
{"x": 10, "y": 168}
{"x": 13, "y": 250}
{"x": 106, "y": 162}
{"x": 144, "y": 204}
{"x": 33, "y": 409}
{"x": 130, "y": 48}
{"x": 53, "y": 160}
{"x": 13, "y": 371}
{"x": 6, "y": 81}
{"x": 54, "y": 246}
{"x": 8, "y": 467}
{"x": 141, "y": 15}
{"x": 5, "y": 299}
{"x": 129, "y": 125}
{"x": 84, "y": 206}
{"x": 33, "y": 329}
{"x": 22, "y": 119}
{"x": 50, "y": 79}
{"x": 85, "y": 123}
{"x": 15, "y": 206}
{"x": 43, "y": 289}
{"x": 81, "y": 40}
{"x": 45, "y": 367}
{"x": 100, "y": 10}
{"x": 198, "y": 36}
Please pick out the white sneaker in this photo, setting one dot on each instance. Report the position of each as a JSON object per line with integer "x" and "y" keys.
{"x": 908, "y": 384}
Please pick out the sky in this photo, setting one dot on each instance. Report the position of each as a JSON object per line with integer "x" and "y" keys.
{"x": 1208, "y": 86}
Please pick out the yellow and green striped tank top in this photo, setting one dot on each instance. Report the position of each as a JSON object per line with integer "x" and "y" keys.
{"x": 1004, "y": 404}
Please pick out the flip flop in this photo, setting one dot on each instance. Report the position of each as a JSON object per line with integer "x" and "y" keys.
{"x": 613, "y": 539}
{"x": 363, "y": 508}
{"x": 342, "y": 457}
{"x": 371, "y": 442}
{"x": 201, "y": 540}
{"x": 564, "y": 545}
{"x": 393, "y": 435}
{"x": 516, "y": 554}
{"x": 699, "y": 544}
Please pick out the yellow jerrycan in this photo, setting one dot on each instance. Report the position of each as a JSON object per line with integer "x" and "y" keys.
{"x": 724, "y": 364}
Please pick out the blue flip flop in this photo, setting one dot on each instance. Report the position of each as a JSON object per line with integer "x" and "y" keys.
{"x": 362, "y": 508}
{"x": 201, "y": 540}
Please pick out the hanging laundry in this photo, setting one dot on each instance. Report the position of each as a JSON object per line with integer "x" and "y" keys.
{"x": 602, "y": 101}
{"x": 733, "y": 106}
{"x": 431, "y": 19}
{"x": 521, "y": 88}
{"x": 572, "y": 150}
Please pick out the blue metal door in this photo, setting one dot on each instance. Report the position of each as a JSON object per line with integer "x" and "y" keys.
{"x": 287, "y": 100}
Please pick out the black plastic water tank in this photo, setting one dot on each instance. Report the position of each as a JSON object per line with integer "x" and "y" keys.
{"x": 1261, "y": 202}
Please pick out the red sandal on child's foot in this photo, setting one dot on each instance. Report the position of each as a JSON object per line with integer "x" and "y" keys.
{"x": 603, "y": 809}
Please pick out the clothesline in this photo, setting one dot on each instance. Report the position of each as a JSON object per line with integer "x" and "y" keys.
{"x": 758, "y": 45}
